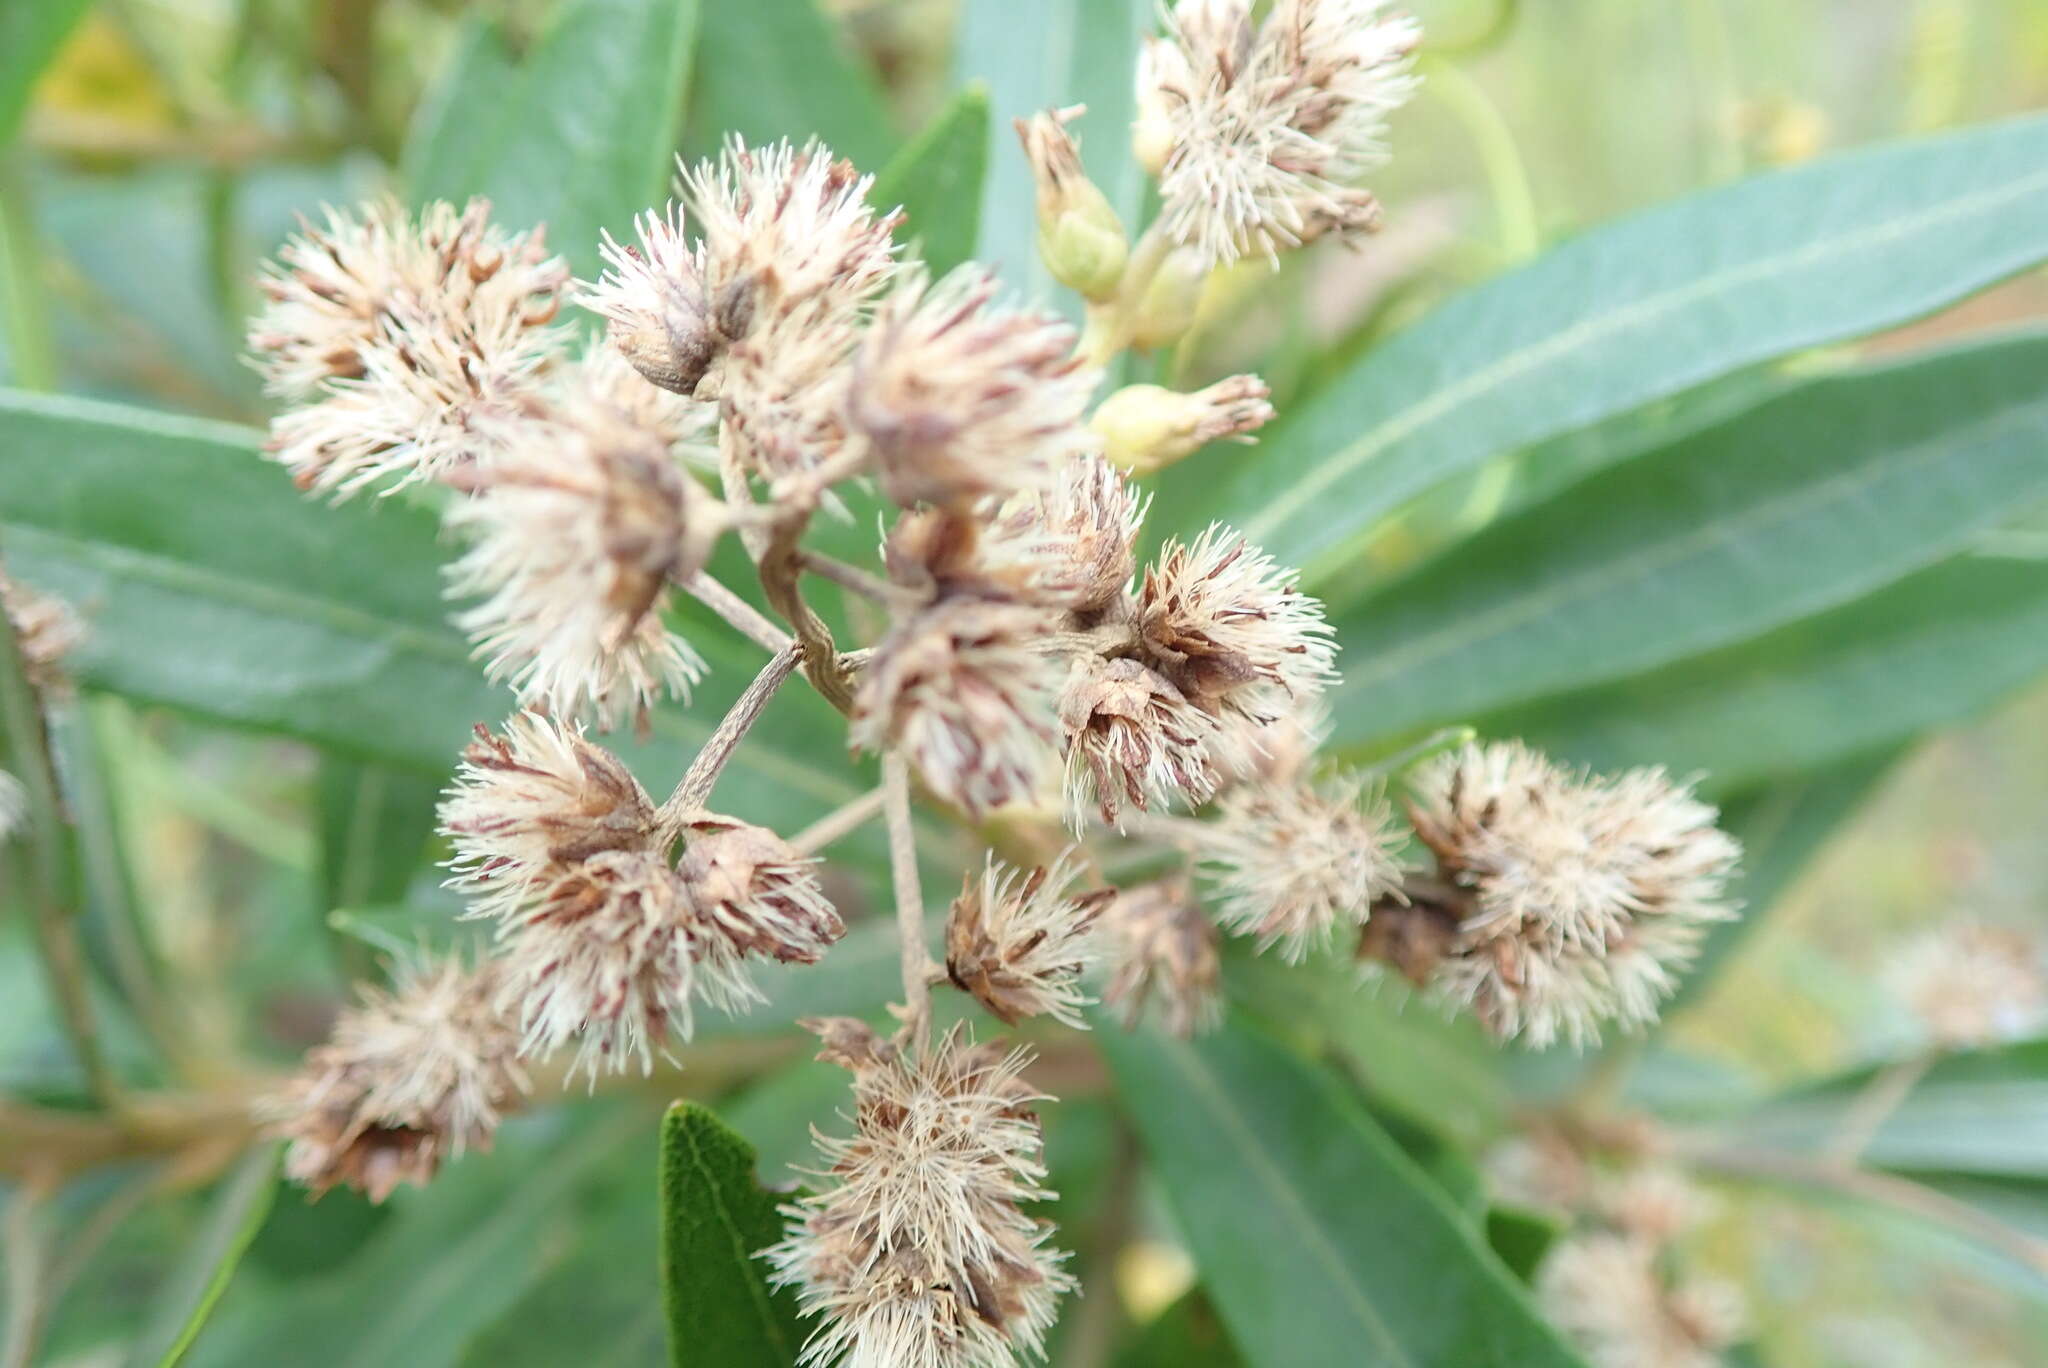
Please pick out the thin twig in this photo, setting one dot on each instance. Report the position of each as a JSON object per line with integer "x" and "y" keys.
{"x": 917, "y": 988}
{"x": 741, "y": 615}
{"x": 841, "y": 822}
{"x": 851, "y": 577}
{"x": 1871, "y": 1107}
{"x": 26, "y": 1250}
{"x": 696, "y": 784}
{"x": 780, "y": 568}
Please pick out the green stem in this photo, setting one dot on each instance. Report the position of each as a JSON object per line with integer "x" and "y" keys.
{"x": 1714, "y": 53}
{"x": 28, "y": 319}
{"x": 1507, "y": 175}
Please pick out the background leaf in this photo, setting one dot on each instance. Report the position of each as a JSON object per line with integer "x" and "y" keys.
{"x": 1632, "y": 312}
{"x": 937, "y": 179}
{"x": 715, "y": 1218}
{"x": 31, "y": 31}
{"x": 194, "y": 1288}
{"x": 1319, "y": 1241}
{"x": 770, "y": 69}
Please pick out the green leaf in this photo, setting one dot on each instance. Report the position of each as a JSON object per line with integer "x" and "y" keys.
{"x": 1187, "y": 1334}
{"x": 1047, "y": 55}
{"x": 581, "y": 135}
{"x": 1318, "y": 1240}
{"x": 1809, "y": 501}
{"x": 1521, "y": 1238}
{"x": 937, "y": 180}
{"x": 375, "y": 824}
{"x": 1929, "y": 651}
{"x": 1628, "y": 314}
{"x": 1983, "y": 1112}
{"x": 189, "y": 1295}
{"x": 769, "y": 69}
{"x": 715, "y": 1218}
{"x": 31, "y": 31}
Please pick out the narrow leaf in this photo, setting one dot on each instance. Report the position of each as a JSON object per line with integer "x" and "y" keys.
{"x": 715, "y": 1218}
{"x": 31, "y": 31}
{"x": 181, "y": 1307}
{"x": 937, "y": 178}
{"x": 769, "y": 69}
{"x": 375, "y": 823}
{"x": 1820, "y": 496}
{"x": 1318, "y": 1240}
{"x": 1628, "y": 314}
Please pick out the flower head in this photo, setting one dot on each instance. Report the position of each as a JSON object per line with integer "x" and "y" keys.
{"x": 1228, "y": 627}
{"x": 960, "y": 398}
{"x": 915, "y": 1253}
{"x": 1260, "y": 131}
{"x": 1132, "y": 741}
{"x": 577, "y": 534}
{"x": 1164, "y": 951}
{"x": 1019, "y": 942}
{"x": 398, "y": 335}
{"x": 45, "y": 631}
{"x": 408, "y": 1078}
{"x": 1147, "y": 427}
{"x": 1080, "y": 238}
{"x": 1072, "y": 545}
{"x": 966, "y": 693}
{"x": 1294, "y": 864}
{"x": 759, "y": 894}
{"x": 1608, "y": 1295}
{"x": 1971, "y": 984}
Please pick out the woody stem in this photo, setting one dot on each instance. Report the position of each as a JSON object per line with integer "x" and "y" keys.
{"x": 917, "y": 990}
{"x": 840, "y": 822}
{"x": 703, "y": 773}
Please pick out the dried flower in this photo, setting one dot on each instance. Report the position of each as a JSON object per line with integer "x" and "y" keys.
{"x": 45, "y": 631}
{"x": 1294, "y": 864}
{"x": 1607, "y": 1294}
{"x": 960, "y": 398}
{"x": 577, "y": 534}
{"x": 916, "y": 1255}
{"x": 402, "y": 334}
{"x": 1132, "y": 740}
{"x": 1574, "y": 898}
{"x": 1654, "y": 1203}
{"x": 1080, "y": 238}
{"x": 1538, "y": 1171}
{"x": 687, "y": 427}
{"x": 1260, "y": 131}
{"x": 1164, "y": 950}
{"x": 1148, "y": 427}
{"x": 1227, "y": 626}
{"x": 407, "y": 1079}
{"x": 964, "y": 691}
{"x": 1019, "y": 942}
{"x": 1970, "y": 984}
{"x": 758, "y": 893}
{"x": 527, "y": 805}
{"x": 1073, "y": 546}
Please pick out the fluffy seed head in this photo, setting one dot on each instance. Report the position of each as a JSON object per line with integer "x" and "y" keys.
{"x": 45, "y": 631}
{"x": 964, "y": 691}
{"x": 763, "y": 898}
{"x": 1148, "y": 427}
{"x": 687, "y": 427}
{"x": 398, "y": 336}
{"x": 576, "y": 535}
{"x": 1607, "y": 1294}
{"x": 407, "y": 1079}
{"x": 1576, "y": 898}
{"x": 1260, "y": 132}
{"x": 534, "y": 801}
{"x": 960, "y": 398}
{"x": 914, "y": 1254}
{"x": 1294, "y": 865}
{"x": 1132, "y": 741}
{"x": 1227, "y": 626}
{"x": 1019, "y": 942}
{"x": 1971, "y": 984}
{"x": 1163, "y": 950}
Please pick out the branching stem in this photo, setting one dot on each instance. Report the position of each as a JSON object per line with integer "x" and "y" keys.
{"x": 839, "y": 823}
{"x": 917, "y": 988}
{"x": 697, "y": 781}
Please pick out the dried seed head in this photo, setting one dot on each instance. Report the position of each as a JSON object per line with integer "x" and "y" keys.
{"x": 1259, "y": 132}
{"x": 1080, "y": 238}
{"x": 1073, "y": 545}
{"x": 915, "y": 1254}
{"x": 1294, "y": 865}
{"x": 1538, "y": 1171}
{"x": 398, "y": 336}
{"x": 1654, "y": 1203}
{"x": 655, "y": 298}
{"x": 407, "y": 1079}
{"x": 45, "y": 631}
{"x": 749, "y": 885}
{"x": 530, "y": 803}
{"x": 1165, "y": 951}
{"x": 577, "y": 534}
{"x": 610, "y": 954}
{"x": 687, "y": 427}
{"x": 1132, "y": 740}
{"x": 1607, "y": 1294}
{"x": 1227, "y": 626}
{"x": 1147, "y": 427}
{"x": 1970, "y": 984}
{"x": 1582, "y": 896}
{"x": 960, "y": 398}
{"x": 963, "y": 689}
{"x": 1019, "y": 942}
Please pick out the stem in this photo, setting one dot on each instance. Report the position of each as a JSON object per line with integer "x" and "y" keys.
{"x": 28, "y": 320}
{"x": 840, "y": 822}
{"x": 49, "y": 876}
{"x": 780, "y": 567}
{"x": 711, "y": 760}
{"x": 917, "y": 988}
{"x": 739, "y": 614}
{"x": 850, "y": 577}
{"x": 1109, "y": 325}
{"x": 25, "y": 1248}
{"x": 1872, "y": 1106}
{"x": 1514, "y": 199}
{"x": 1093, "y": 1338}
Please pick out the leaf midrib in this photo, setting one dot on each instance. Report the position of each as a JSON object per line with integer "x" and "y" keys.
{"x": 757, "y": 1292}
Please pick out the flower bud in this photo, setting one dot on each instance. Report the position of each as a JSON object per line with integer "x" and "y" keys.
{"x": 1152, "y": 130}
{"x": 1167, "y": 309}
{"x": 1080, "y": 238}
{"x": 1147, "y": 427}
